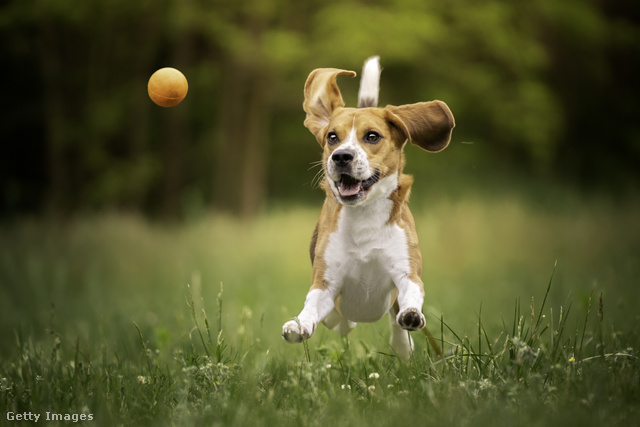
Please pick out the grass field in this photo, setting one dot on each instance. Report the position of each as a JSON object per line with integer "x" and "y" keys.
{"x": 132, "y": 323}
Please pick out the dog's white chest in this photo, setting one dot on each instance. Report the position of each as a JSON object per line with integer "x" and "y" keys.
{"x": 363, "y": 257}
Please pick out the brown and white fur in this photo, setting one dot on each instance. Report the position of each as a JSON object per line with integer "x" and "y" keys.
{"x": 364, "y": 251}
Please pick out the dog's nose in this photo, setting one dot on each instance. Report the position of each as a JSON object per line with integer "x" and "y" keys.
{"x": 342, "y": 157}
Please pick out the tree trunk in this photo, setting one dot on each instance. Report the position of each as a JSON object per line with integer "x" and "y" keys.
{"x": 241, "y": 166}
{"x": 176, "y": 138}
{"x": 254, "y": 167}
{"x": 57, "y": 198}
{"x": 228, "y": 152}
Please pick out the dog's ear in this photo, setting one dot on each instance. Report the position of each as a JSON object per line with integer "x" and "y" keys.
{"x": 322, "y": 97}
{"x": 426, "y": 124}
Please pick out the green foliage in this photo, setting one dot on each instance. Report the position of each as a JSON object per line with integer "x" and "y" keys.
{"x": 542, "y": 85}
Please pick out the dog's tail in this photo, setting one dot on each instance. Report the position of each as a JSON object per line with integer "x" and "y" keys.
{"x": 370, "y": 83}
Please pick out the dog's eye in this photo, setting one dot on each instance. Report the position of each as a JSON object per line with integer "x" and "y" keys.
{"x": 332, "y": 138}
{"x": 372, "y": 137}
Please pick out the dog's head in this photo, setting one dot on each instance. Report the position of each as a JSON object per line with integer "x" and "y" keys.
{"x": 363, "y": 147}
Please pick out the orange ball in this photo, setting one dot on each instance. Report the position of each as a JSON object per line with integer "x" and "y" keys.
{"x": 167, "y": 87}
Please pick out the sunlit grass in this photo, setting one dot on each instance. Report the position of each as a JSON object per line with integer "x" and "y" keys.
{"x": 140, "y": 323}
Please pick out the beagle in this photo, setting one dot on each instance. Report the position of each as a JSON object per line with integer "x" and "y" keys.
{"x": 364, "y": 250}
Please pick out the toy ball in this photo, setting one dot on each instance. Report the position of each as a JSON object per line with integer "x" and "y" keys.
{"x": 167, "y": 87}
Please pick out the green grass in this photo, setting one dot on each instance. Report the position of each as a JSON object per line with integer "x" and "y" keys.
{"x": 145, "y": 324}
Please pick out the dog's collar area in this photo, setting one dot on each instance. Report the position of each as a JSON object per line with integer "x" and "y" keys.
{"x": 350, "y": 188}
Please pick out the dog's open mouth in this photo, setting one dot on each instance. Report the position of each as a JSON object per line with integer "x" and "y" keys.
{"x": 349, "y": 187}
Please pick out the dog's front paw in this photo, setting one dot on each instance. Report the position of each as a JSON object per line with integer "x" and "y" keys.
{"x": 411, "y": 319}
{"x": 294, "y": 331}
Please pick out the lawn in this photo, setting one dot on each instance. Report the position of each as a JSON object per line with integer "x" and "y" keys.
{"x": 130, "y": 322}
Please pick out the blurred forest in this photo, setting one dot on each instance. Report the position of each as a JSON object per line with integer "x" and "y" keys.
{"x": 542, "y": 88}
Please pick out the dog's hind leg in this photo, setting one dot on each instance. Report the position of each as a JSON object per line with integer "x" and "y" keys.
{"x": 400, "y": 340}
{"x": 336, "y": 322}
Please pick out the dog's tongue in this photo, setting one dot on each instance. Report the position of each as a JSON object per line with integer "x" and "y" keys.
{"x": 349, "y": 186}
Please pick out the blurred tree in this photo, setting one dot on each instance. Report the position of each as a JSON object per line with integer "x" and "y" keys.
{"x": 543, "y": 85}
{"x": 594, "y": 66}
{"x": 94, "y": 130}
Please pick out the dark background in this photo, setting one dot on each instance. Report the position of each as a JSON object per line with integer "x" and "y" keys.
{"x": 543, "y": 92}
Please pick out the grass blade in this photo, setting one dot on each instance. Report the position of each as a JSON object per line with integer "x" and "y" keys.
{"x": 534, "y": 334}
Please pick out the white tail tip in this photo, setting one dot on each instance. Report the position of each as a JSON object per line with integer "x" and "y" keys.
{"x": 370, "y": 83}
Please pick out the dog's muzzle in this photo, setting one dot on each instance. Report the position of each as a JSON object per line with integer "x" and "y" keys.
{"x": 349, "y": 187}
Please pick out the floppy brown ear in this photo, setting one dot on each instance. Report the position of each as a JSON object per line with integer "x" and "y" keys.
{"x": 322, "y": 97}
{"x": 426, "y": 124}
